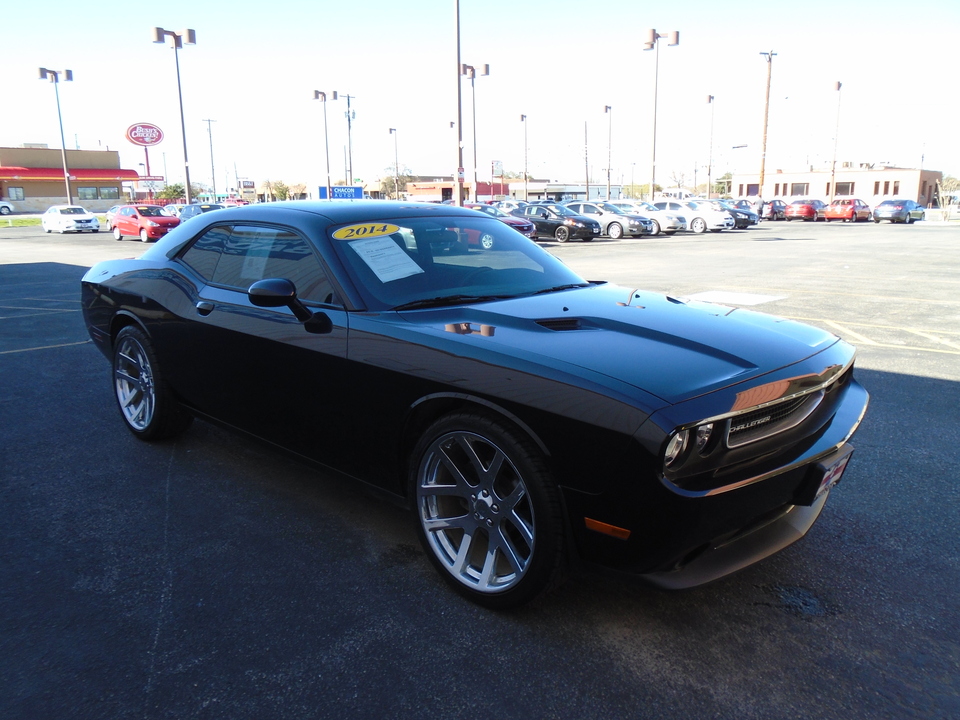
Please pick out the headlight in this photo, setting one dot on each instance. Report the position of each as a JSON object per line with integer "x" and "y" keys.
{"x": 636, "y": 222}
{"x": 675, "y": 447}
{"x": 704, "y": 433}
{"x": 151, "y": 223}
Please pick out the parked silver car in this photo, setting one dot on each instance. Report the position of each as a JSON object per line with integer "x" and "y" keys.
{"x": 663, "y": 221}
{"x": 614, "y": 222}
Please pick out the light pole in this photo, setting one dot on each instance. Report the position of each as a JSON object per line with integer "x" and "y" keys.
{"x": 836, "y": 134}
{"x": 177, "y": 41}
{"x": 609, "y": 111}
{"x": 213, "y": 174}
{"x": 396, "y": 166}
{"x": 652, "y": 43}
{"x": 766, "y": 116}
{"x": 471, "y": 72}
{"x": 526, "y": 196}
{"x": 350, "y": 117}
{"x": 459, "y": 174}
{"x": 318, "y": 95}
{"x": 54, "y": 76}
{"x": 710, "y": 99}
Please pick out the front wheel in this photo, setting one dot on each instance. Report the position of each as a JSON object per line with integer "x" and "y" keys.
{"x": 615, "y": 231}
{"x": 117, "y": 235}
{"x": 487, "y": 241}
{"x": 147, "y": 405}
{"x": 144, "y": 237}
{"x": 562, "y": 234}
{"x": 699, "y": 225}
{"x": 487, "y": 510}
{"x": 655, "y": 229}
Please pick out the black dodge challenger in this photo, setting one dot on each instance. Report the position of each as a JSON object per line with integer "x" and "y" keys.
{"x": 530, "y": 419}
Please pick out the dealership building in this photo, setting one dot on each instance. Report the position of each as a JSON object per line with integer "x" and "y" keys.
{"x": 31, "y": 178}
{"x": 871, "y": 183}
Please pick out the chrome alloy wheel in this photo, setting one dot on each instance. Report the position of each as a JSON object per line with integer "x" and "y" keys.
{"x": 134, "y": 384}
{"x": 476, "y": 512}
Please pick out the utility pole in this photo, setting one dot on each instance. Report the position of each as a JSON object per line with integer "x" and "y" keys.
{"x": 213, "y": 174}
{"x": 766, "y": 116}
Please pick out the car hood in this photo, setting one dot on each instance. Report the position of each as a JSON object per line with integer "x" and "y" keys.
{"x": 673, "y": 349}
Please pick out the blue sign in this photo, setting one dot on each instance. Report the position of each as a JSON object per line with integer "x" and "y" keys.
{"x": 341, "y": 192}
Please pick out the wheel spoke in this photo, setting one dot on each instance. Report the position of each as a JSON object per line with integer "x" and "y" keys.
{"x": 505, "y": 546}
{"x": 436, "y": 524}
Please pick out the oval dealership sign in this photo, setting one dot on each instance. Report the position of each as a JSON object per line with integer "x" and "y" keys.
{"x": 144, "y": 134}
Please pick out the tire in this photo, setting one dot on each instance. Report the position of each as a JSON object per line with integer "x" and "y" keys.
{"x": 96, "y": 230}
{"x": 487, "y": 510}
{"x": 561, "y": 234}
{"x": 486, "y": 241}
{"x": 4, "y": 210}
{"x": 655, "y": 230}
{"x": 908, "y": 220}
{"x": 615, "y": 231}
{"x": 698, "y": 226}
{"x": 669, "y": 232}
{"x": 876, "y": 222}
{"x": 147, "y": 405}
{"x": 116, "y": 233}
{"x": 144, "y": 237}
{"x": 47, "y": 230}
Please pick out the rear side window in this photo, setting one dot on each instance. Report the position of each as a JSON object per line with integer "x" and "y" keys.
{"x": 237, "y": 256}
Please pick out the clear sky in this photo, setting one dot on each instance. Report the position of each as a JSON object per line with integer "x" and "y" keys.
{"x": 256, "y": 65}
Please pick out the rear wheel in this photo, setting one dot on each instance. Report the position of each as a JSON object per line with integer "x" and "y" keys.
{"x": 147, "y": 405}
{"x": 487, "y": 510}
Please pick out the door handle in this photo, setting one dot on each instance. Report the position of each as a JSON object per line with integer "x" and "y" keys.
{"x": 204, "y": 308}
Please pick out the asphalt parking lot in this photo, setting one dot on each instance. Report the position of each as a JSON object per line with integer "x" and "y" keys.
{"x": 212, "y": 578}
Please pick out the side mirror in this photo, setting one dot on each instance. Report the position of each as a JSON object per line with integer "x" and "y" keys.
{"x": 280, "y": 292}
{"x": 543, "y": 214}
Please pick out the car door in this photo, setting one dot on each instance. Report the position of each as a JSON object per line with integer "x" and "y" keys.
{"x": 125, "y": 221}
{"x": 261, "y": 369}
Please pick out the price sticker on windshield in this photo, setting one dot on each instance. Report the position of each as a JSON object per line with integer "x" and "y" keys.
{"x": 365, "y": 230}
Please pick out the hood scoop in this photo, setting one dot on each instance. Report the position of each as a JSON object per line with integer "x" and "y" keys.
{"x": 561, "y": 324}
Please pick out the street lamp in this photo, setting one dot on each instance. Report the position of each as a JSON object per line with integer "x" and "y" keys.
{"x": 54, "y": 76}
{"x": 710, "y": 99}
{"x": 213, "y": 174}
{"x": 177, "y": 41}
{"x": 609, "y": 111}
{"x": 652, "y": 43}
{"x": 471, "y": 72}
{"x": 526, "y": 196}
{"x": 766, "y": 115}
{"x": 351, "y": 115}
{"x": 396, "y": 166}
{"x": 318, "y": 95}
{"x": 836, "y": 134}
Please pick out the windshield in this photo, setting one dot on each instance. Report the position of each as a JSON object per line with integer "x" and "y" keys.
{"x": 614, "y": 209}
{"x": 491, "y": 210}
{"x": 410, "y": 262}
{"x": 562, "y": 210}
{"x": 150, "y": 210}
{"x": 73, "y": 211}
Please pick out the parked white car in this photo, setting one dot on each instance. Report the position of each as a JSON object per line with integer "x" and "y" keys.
{"x": 700, "y": 216}
{"x": 69, "y": 218}
{"x": 665, "y": 221}
{"x": 5, "y": 207}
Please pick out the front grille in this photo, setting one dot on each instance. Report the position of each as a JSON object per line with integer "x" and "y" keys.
{"x": 759, "y": 424}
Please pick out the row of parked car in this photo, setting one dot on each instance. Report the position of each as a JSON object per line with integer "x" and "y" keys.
{"x": 578, "y": 219}
{"x": 847, "y": 210}
{"x": 152, "y": 222}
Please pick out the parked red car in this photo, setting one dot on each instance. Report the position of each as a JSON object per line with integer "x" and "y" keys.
{"x": 524, "y": 227}
{"x": 809, "y": 209}
{"x": 847, "y": 209}
{"x": 146, "y": 221}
